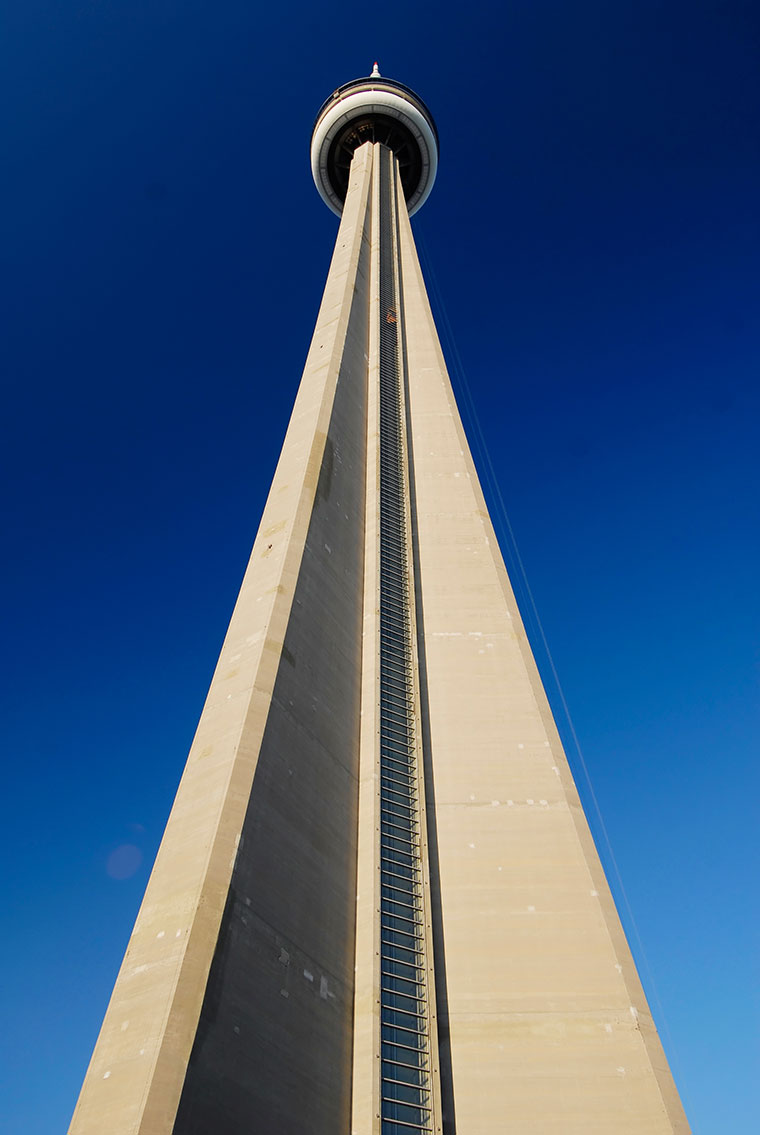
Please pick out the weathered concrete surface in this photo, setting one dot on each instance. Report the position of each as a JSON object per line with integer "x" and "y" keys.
{"x": 298, "y": 739}
{"x": 549, "y": 1028}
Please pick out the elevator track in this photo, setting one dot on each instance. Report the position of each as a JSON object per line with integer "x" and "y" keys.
{"x": 406, "y": 1088}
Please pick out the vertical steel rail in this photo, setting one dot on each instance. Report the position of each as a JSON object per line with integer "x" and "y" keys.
{"x": 406, "y": 1079}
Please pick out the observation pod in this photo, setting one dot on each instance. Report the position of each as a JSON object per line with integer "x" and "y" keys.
{"x": 374, "y": 110}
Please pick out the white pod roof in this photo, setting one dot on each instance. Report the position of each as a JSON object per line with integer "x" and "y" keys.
{"x": 374, "y": 110}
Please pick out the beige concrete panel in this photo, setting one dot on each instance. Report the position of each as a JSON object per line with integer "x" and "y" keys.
{"x": 136, "y": 1074}
{"x": 556, "y": 1073}
{"x": 535, "y": 958}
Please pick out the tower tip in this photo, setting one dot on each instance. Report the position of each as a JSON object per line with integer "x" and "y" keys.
{"x": 375, "y": 71}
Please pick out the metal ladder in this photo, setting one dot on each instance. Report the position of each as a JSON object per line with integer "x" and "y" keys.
{"x": 405, "y": 1059}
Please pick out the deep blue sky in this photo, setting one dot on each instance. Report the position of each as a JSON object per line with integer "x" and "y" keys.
{"x": 594, "y": 240}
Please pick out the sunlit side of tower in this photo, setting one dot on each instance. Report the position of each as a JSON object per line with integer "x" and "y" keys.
{"x": 377, "y": 907}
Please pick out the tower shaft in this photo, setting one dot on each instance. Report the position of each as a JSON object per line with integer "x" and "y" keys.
{"x": 377, "y": 907}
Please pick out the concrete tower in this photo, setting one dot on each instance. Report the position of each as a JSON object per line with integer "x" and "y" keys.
{"x": 377, "y": 907}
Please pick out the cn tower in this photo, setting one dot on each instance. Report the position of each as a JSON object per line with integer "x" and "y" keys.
{"x": 377, "y": 908}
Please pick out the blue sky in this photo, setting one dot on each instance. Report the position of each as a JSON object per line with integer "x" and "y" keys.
{"x": 593, "y": 242}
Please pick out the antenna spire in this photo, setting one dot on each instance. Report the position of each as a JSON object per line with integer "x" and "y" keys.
{"x": 375, "y": 71}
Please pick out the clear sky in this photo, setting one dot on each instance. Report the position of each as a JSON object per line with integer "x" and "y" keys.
{"x": 593, "y": 239}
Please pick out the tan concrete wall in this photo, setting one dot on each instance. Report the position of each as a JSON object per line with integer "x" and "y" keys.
{"x": 548, "y": 1024}
{"x": 138, "y": 1068}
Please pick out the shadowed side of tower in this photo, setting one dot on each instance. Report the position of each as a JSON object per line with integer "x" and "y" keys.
{"x": 275, "y": 1028}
